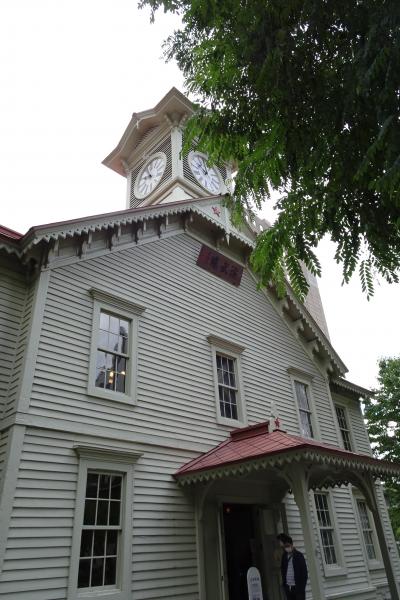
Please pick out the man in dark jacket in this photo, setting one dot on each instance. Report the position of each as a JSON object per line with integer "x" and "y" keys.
{"x": 293, "y": 569}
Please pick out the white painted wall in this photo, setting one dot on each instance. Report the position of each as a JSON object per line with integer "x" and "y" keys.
{"x": 174, "y": 418}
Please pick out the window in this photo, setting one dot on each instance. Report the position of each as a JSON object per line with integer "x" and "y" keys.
{"x": 367, "y": 530}
{"x": 326, "y": 528}
{"x": 102, "y": 535}
{"x": 113, "y": 354}
{"x": 229, "y": 396}
{"x": 303, "y": 402}
{"x": 101, "y": 530}
{"x": 227, "y": 386}
{"x": 343, "y": 426}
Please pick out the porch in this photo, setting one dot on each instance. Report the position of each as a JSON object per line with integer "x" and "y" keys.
{"x": 258, "y": 467}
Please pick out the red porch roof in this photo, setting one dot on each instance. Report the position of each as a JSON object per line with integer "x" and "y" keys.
{"x": 249, "y": 444}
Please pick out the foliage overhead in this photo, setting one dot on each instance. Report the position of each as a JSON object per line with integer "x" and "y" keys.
{"x": 305, "y": 96}
{"x": 383, "y": 421}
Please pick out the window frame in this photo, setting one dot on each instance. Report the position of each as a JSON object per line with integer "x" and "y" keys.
{"x": 123, "y": 308}
{"x": 374, "y": 563}
{"x": 296, "y": 375}
{"x": 348, "y": 422}
{"x": 339, "y": 567}
{"x": 107, "y": 529}
{"x": 233, "y": 351}
{"x": 121, "y": 462}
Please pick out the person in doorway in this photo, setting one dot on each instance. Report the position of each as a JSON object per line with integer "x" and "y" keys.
{"x": 293, "y": 569}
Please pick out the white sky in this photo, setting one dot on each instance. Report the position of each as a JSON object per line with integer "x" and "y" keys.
{"x": 71, "y": 74}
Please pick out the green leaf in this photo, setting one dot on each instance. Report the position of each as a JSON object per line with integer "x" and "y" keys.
{"x": 304, "y": 96}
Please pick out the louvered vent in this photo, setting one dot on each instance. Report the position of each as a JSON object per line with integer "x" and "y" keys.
{"x": 146, "y": 134}
{"x": 164, "y": 146}
{"x": 222, "y": 170}
{"x": 187, "y": 171}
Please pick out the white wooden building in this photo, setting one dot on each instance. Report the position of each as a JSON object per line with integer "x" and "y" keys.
{"x": 139, "y": 366}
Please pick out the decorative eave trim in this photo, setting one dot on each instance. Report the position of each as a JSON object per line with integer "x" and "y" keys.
{"x": 10, "y": 248}
{"x": 119, "y": 302}
{"x": 227, "y": 345}
{"x": 69, "y": 229}
{"x": 358, "y": 390}
{"x": 295, "y": 455}
{"x": 121, "y": 455}
{"x": 320, "y": 336}
{"x": 80, "y": 227}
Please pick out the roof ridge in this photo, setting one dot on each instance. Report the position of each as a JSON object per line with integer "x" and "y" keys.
{"x": 6, "y": 231}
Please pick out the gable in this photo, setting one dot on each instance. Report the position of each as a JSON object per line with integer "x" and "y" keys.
{"x": 206, "y": 219}
{"x": 184, "y": 305}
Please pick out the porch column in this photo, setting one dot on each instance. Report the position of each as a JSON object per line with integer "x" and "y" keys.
{"x": 372, "y": 500}
{"x": 299, "y": 485}
{"x": 199, "y": 499}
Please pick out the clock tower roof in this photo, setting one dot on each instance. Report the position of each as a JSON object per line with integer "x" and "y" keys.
{"x": 174, "y": 108}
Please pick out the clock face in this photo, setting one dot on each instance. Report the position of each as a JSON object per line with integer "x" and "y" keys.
{"x": 150, "y": 175}
{"x": 208, "y": 177}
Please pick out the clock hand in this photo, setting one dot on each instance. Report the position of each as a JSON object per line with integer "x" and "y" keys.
{"x": 200, "y": 165}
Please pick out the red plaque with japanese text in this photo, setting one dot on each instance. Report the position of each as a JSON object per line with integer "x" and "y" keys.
{"x": 219, "y": 265}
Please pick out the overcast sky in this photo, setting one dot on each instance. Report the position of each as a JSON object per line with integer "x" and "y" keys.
{"x": 71, "y": 74}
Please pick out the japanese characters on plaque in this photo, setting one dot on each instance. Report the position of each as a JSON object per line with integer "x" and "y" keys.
{"x": 219, "y": 265}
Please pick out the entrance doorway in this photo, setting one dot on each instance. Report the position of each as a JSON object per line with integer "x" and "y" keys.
{"x": 242, "y": 547}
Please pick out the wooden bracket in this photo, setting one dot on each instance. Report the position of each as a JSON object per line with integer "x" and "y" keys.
{"x": 111, "y": 237}
{"x": 161, "y": 223}
{"x": 313, "y": 345}
{"x": 52, "y": 253}
{"x": 187, "y": 218}
{"x": 219, "y": 239}
{"x": 84, "y": 243}
{"x": 137, "y": 227}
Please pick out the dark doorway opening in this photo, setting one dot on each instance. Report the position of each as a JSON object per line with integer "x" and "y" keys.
{"x": 240, "y": 547}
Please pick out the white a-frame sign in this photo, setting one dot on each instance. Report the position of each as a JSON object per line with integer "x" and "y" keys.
{"x": 254, "y": 584}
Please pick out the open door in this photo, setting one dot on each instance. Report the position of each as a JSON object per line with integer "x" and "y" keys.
{"x": 248, "y": 539}
{"x": 241, "y": 546}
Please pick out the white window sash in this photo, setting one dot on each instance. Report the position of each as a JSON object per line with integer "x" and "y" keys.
{"x": 127, "y": 310}
{"x": 368, "y": 532}
{"x": 233, "y": 351}
{"x": 112, "y": 460}
{"x": 344, "y": 430}
{"x": 298, "y": 377}
{"x": 332, "y": 569}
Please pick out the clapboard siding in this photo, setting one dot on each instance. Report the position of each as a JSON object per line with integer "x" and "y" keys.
{"x": 12, "y": 301}
{"x": 175, "y": 388}
{"x": 39, "y": 544}
{"x": 166, "y": 530}
{"x": 45, "y": 528}
{"x": 19, "y": 357}
{"x": 349, "y": 540}
{"x": 4, "y": 436}
{"x": 358, "y": 428}
{"x": 175, "y": 403}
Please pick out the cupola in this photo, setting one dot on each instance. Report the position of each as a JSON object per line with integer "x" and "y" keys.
{"x": 149, "y": 156}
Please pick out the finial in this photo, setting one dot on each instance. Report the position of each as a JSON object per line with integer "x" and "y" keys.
{"x": 275, "y": 416}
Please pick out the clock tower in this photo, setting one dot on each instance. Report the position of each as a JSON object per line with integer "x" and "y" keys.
{"x": 149, "y": 155}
